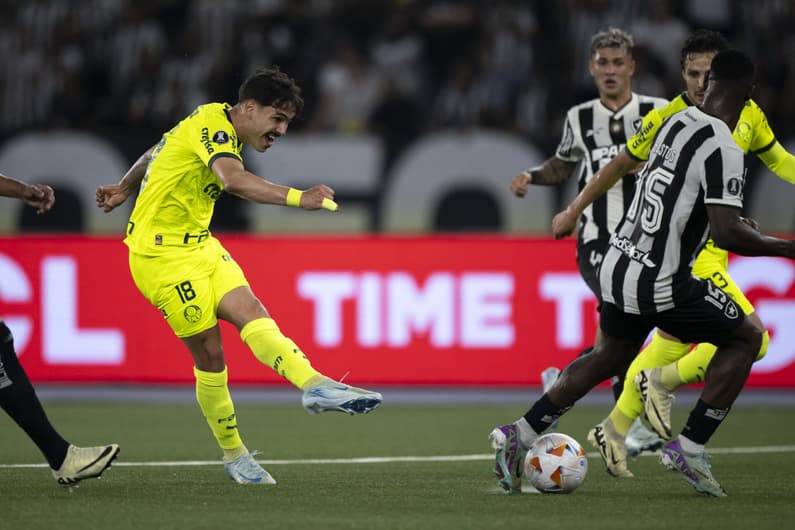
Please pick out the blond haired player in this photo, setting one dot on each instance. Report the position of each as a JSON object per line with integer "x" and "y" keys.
{"x": 665, "y": 364}
{"x": 188, "y": 275}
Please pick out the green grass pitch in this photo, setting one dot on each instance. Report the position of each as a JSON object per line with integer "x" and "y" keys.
{"x": 146, "y": 489}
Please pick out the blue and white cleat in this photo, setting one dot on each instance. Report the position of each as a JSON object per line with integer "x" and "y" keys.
{"x": 245, "y": 470}
{"x": 694, "y": 468}
{"x": 331, "y": 395}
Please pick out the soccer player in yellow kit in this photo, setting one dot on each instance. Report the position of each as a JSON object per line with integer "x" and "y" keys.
{"x": 664, "y": 365}
{"x": 188, "y": 275}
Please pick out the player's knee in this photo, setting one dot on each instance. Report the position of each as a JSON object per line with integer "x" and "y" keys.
{"x": 750, "y": 340}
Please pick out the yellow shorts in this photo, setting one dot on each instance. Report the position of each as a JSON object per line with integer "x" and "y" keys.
{"x": 186, "y": 286}
{"x": 712, "y": 263}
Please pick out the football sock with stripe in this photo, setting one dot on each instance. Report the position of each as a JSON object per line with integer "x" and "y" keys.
{"x": 214, "y": 399}
{"x": 272, "y": 348}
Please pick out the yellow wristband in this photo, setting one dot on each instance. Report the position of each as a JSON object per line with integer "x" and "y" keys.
{"x": 328, "y": 204}
{"x": 294, "y": 197}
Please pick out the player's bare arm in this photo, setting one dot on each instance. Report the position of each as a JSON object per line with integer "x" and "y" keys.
{"x": 238, "y": 181}
{"x": 565, "y": 222}
{"x": 109, "y": 197}
{"x": 39, "y": 196}
{"x": 734, "y": 233}
{"x": 552, "y": 171}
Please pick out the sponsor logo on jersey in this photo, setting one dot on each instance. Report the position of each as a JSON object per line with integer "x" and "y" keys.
{"x": 220, "y": 137}
{"x": 205, "y": 139}
{"x": 628, "y": 248}
{"x": 213, "y": 191}
{"x": 606, "y": 153}
{"x": 640, "y": 136}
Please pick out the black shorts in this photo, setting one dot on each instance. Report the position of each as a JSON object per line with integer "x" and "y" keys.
{"x": 704, "y": 313}
{"x": 589, "y": 260}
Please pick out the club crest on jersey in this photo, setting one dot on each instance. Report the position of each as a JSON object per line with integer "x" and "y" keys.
{"x": 192, "y": 313}
{"x": 220, "y": 137}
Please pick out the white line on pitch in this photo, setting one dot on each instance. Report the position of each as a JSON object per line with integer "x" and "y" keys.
{"x": 390, "y": 459}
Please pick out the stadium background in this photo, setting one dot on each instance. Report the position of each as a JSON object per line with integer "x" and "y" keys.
{"x": 417, "y": 114}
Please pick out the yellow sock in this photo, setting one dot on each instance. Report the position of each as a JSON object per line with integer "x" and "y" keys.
{"x": 277, "y": 351}
{"x": 621, "y": 421}
{"x": 212, "y": 393}
{"x": 659, "y": 352}
{"x": 692, "y": 367}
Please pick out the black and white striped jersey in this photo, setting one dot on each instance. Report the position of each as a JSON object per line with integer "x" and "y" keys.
{"x": 694, "y": 162}
{"x": 592, "y": 135}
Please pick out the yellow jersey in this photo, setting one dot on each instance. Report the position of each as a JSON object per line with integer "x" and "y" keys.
{"x": 178, "y": 193}
{"x": 752, "y": 133}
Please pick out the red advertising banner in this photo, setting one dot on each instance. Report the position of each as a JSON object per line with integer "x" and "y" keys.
{"x": 463, "y": 310}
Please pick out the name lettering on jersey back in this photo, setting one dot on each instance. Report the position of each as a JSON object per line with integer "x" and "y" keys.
{"x": 665, "y": 151}
{"x": 205, "y": 139}
{"x": 629, "y": 249}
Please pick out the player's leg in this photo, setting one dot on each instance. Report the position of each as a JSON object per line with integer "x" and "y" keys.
{"x": 660, "y": 383}
{"x": 179, "y": 286}
{"x": 638, "y": 437}
{"x": 215, "y": 401}
{"x": 18, "y": 399}
{"x": 662, "y": 349}
{"x": 621, "y": 337}
{"x": 259, "y": 331}
{"x": 707, "y": 314}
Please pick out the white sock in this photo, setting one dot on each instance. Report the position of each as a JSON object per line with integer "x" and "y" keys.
{"x": 689, "y": 446}
{"x": 526, "y": 433}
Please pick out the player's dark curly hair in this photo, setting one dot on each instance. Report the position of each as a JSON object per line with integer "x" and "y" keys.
{"x": 703, "y": 41}
{"x": 272, "y": 87}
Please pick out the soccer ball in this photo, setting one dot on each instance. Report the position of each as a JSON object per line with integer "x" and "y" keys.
{"x": 555, "y": 463}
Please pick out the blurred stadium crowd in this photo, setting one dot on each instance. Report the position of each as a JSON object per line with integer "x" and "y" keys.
{"x": 128, "y": 70}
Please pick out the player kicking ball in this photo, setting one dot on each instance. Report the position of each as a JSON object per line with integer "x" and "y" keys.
{"x": 187, "y": 274}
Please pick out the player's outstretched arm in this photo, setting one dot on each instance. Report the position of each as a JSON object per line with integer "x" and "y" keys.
{"x": 552, "y": 171}
{"x": 109, "y": 197}
{"x": 780, "y": 161}
{"x": 732, "y": 232}
{"x": 238, "y": 181}
{"x": 40, "y": 196}
{"x": 565, "y": 222}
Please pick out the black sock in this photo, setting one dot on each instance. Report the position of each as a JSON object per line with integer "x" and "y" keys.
{"x": 617, "y": 384}
{"x": 19, "y": 400}
{"x": 703, "y": 422}
{"x": 543, "y": 413}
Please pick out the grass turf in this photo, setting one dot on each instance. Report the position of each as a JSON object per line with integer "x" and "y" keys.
{"x": 399, "y": 495}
